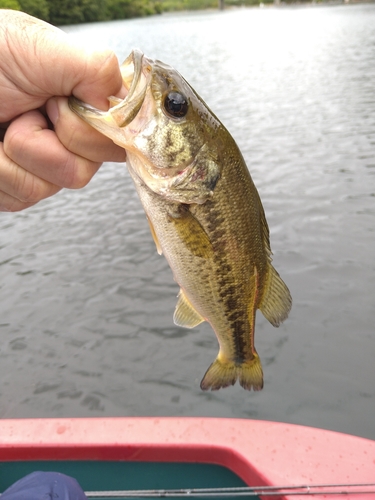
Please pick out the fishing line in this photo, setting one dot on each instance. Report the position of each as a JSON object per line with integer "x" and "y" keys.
{"x": 235, "y": 492}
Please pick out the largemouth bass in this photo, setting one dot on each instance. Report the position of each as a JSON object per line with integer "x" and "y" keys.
{"x": 204, "y": 212}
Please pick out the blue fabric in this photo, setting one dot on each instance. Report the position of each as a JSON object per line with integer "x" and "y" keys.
{"x": 45, "y": 486}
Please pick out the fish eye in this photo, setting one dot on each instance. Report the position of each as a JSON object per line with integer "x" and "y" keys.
{"x": 176, "y": 104}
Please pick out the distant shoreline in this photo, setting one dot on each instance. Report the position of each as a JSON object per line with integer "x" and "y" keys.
{"x": 277, "y": 4}
{"x": 313, "y": 3}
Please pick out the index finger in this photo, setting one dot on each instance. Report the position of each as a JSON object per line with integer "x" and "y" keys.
{"x": 25, "y": 144}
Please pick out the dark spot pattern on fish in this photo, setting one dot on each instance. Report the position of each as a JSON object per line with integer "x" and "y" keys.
{"x": 239, "y": 330}
{"x": 230, "y": 293}
{"x": 227, "y": 268}
{"x": 231, "y": 296}
{"x": 212, "y": 181}
{"x": 168, "y": 141}
{"x": 190, "y": 137}
{"x": 171, "y": 156}
{"x": 234, "y": 316}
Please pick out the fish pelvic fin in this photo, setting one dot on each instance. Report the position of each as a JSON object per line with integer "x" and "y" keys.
{"x": 276, "y": 300}
{"x": 154, "y": 236}
{"x": 223, "y": 373}
{"x": 185, "y": 315}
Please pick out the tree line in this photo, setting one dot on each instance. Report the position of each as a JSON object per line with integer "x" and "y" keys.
{"x": 60, "y": 12}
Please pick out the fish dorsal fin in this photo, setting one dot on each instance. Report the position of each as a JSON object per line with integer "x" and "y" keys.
{"x": 185, "y": 314}
{"x": 156, "y": 240}
{"x": 191, "y": 232}
{"x": 276, "y": 300}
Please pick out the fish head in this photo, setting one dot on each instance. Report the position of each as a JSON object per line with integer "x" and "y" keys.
{"x": 168, "y": 132}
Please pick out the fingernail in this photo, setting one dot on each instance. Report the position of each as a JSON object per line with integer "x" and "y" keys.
{"x": 53, "y": 110}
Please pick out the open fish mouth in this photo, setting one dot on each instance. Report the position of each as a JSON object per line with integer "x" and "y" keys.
{"x": 121, "y": 111}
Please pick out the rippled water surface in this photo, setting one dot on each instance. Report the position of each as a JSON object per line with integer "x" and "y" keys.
{"x": 86, "y": 303}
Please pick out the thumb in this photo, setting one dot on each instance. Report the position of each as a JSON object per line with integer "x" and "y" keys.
{"x": 95, "y": 77}
{"x": 43, "y": 61}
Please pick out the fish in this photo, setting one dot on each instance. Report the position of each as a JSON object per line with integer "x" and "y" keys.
{"x": 204, "y": 212}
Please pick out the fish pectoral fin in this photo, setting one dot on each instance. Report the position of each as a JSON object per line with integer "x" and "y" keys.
{"x": 156, "y": 239}
{"x": 185, "y": 315}
{"x": 191, "y": 232}
{"x": 276, "y": 300}
{"x": 223, "y": 373}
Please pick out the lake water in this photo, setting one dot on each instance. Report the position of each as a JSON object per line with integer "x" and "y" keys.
{"x": 86, "y": 303}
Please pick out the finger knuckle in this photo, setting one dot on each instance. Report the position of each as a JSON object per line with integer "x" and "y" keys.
{"x": 17, "y": 206}
{"x": 80, "y": 173}
{"x": 13, "y": 142}
{"x": 10, "y": 204}
{"x": 27, "y": 187}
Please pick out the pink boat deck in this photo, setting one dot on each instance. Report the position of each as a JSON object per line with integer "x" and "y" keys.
{"x": 260, "y": 452}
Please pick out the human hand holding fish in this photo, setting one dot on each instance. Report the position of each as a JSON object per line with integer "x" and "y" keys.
{"x": 204, "y": 212}
{"x": 43, "y": 145}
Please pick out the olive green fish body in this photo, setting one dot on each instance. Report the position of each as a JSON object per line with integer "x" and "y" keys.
{"x": 204, "y": 211}
{"x": 220, "y": 256}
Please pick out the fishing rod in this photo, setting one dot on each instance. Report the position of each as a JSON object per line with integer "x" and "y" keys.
{"x": 240, "y": 491}
{"x": 235, "y": 492}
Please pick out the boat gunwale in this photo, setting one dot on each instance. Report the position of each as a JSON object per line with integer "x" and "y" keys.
{"x": 261, "y": 453}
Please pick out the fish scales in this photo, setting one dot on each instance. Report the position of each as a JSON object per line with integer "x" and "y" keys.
{"x": 204, "y": 211}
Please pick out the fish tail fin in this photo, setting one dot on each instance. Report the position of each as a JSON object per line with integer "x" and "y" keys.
{"x": 251, "y": 374}
{"x": 223, "y": 373}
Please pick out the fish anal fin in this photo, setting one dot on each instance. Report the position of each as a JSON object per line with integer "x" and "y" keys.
{"x": 276, "y": 300}
{"x": 155, "y": 238}
{"x": 191, "y": 232}
{"x": 223, "y": 373}
{"x": 185, "y": 315}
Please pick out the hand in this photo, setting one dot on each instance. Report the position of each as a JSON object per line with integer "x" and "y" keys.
{"x": 44, "y": 145}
